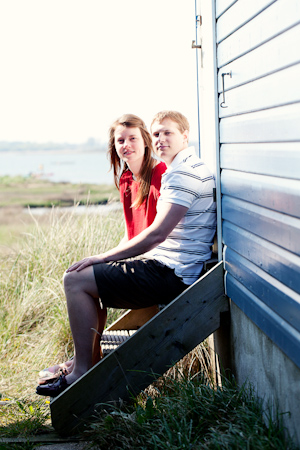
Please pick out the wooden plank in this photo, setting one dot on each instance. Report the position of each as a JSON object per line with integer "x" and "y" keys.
{"x": 280, "y": 16}
{"x": 222, "y": 6}
{"x": 276, "y": 261}
{"x": 165, "y": 339}
{"x": 276, "y": 295}
{"x": 278, "y": 89}
{"x": 279, "y": 194}
{"x": 264, "y": 60}
{"x": 275, "y": 159}
{"x": 134, "y": 318}
{"x": 279, "y": 331}
{"x": 278, "y": 228}
{"x": 273, "y": 125}
{"x": 238, "y": 15}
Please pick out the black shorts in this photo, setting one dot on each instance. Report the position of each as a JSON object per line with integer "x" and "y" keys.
{"x": 136, "y": 283}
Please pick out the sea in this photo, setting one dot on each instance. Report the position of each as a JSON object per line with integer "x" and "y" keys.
{"x": 58, "y": 166}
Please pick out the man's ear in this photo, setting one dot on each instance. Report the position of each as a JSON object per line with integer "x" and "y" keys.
{"x": 186, "y": 135}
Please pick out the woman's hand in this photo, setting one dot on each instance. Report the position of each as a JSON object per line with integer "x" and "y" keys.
{"x": 85, "y": 262}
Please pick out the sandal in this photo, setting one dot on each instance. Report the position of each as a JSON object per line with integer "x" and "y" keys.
{"x": 52, "y": 371}
{"x": 53, "y": 389}
{"x": 50, "y": 377}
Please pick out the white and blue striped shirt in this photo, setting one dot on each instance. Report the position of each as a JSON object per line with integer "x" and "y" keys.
{"x": 189, "y": 183}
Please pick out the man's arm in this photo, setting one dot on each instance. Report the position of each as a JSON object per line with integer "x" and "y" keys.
{"x": 168, "y": 216}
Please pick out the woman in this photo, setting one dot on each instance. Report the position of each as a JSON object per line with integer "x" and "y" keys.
{"x": 137, "y": 175}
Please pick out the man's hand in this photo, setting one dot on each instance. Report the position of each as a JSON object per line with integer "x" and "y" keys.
{"x": 85, "y": 262}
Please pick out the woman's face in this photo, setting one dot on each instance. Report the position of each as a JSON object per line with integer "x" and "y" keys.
{"x": 129, "y": 145}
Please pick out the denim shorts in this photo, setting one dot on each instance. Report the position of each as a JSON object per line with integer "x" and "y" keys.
{"x": 136, "y": 283}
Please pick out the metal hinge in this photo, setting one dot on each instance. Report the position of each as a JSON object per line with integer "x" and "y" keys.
{"x": 199, "y": 19}
{"x": 194, "y": 45}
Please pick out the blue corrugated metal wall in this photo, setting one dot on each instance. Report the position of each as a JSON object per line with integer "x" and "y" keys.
{"x": 260, "y": 162}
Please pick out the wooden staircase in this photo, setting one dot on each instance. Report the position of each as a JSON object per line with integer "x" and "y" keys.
{"x": 161, "y": 339}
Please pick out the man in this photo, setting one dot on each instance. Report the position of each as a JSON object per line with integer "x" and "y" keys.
{"x": 158, "y": 264}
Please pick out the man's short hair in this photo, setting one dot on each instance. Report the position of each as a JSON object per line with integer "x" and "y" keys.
{"x": 180, "y": 119}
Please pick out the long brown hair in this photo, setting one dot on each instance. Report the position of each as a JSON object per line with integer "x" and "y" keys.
{"x": 144, "y": 177}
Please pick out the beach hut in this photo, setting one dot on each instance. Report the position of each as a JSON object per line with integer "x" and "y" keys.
{"x": 249, "y": 115}
{"x": 249, "y": 120}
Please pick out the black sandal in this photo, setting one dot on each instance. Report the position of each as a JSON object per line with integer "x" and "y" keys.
{"x": 53, "y": 389}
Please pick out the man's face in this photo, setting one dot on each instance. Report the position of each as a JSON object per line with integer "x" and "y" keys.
{"x": 168, "y": 140}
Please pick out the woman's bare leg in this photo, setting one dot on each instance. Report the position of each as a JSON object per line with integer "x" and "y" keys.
{"x": 102, "y": 316}
{"x": 85, "y": 316}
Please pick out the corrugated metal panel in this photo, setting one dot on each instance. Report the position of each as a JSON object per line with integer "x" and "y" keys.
{"x": 275, "y": 227}
{"x": 280, "y": 332}
{"x": 279, "y": 194}
{"x": 275, "y": 159}
{"x": 276, "y": 261}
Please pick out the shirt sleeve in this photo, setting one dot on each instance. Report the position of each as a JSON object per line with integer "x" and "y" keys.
{"x": 181, "y": 187}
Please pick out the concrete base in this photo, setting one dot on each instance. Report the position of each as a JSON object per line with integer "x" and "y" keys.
{"x": 275, "y": 378}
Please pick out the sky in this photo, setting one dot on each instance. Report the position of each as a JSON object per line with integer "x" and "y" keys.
{"x": 69, "y": 68}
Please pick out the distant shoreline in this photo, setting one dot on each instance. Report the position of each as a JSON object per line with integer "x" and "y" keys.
{"x": 54, "y": 151}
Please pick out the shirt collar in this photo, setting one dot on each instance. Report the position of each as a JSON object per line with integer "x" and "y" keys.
{"x": 183, "y": 154}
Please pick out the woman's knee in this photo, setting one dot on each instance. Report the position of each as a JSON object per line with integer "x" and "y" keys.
{"x": 83, "y": 280}
{"x": 70, "y": 280}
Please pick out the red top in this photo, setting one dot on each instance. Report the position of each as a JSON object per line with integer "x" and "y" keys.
{"x": 137, "y": 219}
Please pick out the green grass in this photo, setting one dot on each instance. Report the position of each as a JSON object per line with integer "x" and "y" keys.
{"x": 24, "y": 418}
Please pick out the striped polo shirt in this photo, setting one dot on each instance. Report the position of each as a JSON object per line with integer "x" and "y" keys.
{"x": 189, "y": 183}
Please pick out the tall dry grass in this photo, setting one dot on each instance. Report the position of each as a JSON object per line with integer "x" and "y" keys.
{"x": 34, "y": 328}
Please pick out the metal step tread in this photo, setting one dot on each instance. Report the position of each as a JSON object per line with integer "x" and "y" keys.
{"x": 110, "y": 340}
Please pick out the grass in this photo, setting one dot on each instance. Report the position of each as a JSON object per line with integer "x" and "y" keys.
{"x": 183, "y": 410}
{"x": 27, "y": 191}
{"x": 190, "y": 413}
{"x": 18, "y": 193}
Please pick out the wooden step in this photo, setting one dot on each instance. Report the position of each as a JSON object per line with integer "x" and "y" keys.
{"x": 149, "y": 352}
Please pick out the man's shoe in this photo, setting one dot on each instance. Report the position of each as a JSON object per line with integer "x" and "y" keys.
{"x": 53, "y": 389}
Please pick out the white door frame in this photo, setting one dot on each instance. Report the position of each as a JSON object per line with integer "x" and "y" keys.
{"x": 208, "y": 98}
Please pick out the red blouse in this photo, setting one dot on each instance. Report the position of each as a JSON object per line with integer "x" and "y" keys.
{"x": 137, "y": 219}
